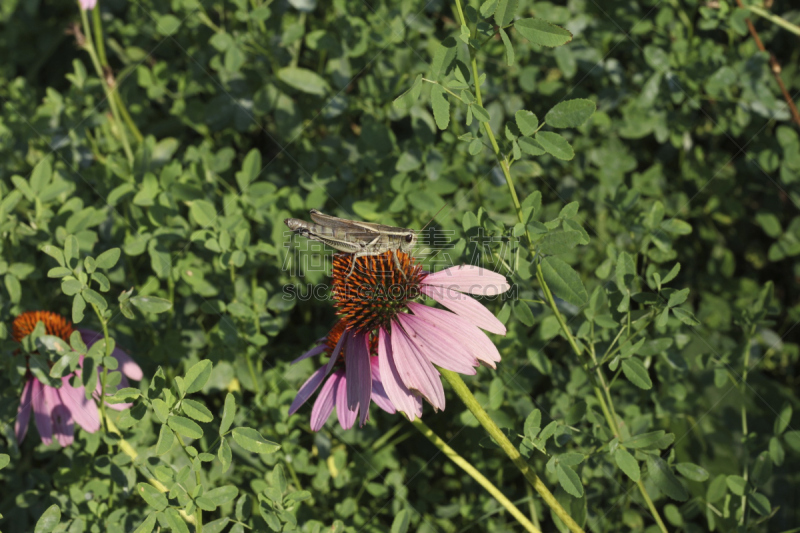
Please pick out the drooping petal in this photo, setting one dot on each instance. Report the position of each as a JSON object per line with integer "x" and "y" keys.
{"x": 24, "y": 411}
{"x": 339, "y": 345}
{"x": 307, "y": 389}
{"x": 379, "y": 395}
{"x": 41, "y": 412}
{"x": 346, "y": 416}
{"x": 415, "y": 370}
{"x": 471, "y": 337}
{"x": 323, "y": 406}
{"x": 84, "y": 411}
{"x": 469, "y": 278}
{"x": 61, "y": 417}
{"x": 359, "y": 375}
{"x": 127, "y": 365}
{"x": 438, "y": 346}
{"x": 316, "y": 350}
{"x": 401, "y": 397}
{"x": 466, "y": 307}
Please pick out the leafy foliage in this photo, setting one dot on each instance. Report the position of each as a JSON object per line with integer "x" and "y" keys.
{"x": 657, "y": 170}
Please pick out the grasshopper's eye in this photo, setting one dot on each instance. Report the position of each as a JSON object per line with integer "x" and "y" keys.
{"x": 410, "y": 238}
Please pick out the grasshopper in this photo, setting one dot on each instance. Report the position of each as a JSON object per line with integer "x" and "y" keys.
{"x": 354, "y": 237}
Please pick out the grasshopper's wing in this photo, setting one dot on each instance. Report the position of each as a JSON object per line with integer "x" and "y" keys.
{"x": 367, "y": 227}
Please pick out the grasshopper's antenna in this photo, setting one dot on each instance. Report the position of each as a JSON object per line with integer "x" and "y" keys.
{"x": 434, "y": 217}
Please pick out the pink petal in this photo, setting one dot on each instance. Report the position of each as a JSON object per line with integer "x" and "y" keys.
{"x": 439, "y": 347}
{"x": 323, "y": 407}
{"x": 307, "y": 389}
{"x": 346, "y": 416}
{"x": 359, "y": 375}
{"x": 415, "y": 370}
{"x": 127, "y": 365}
{"x": 471, "y": 337}
{"x": 401, "y": 397}
{"x": 338, "y": 348}
{"x": 316, "y": 350}
{"x": 466, "y": 307}
{"x": 60, "y": 415}
{"x": 41, "y": 412}
{"x": 84, "y": 411}
{"x": 379, "y": 395}
{"x": 469, "y": 278}
{"x": 24, "y": 411}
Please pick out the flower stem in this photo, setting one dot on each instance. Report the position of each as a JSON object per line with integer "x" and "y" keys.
{"x": 775, "y": 19}
{"x": 488, "y": 424}
{"x": 473, "y": 472}
{"x": 198, "y": 514}
{"x": 112, "y": 102}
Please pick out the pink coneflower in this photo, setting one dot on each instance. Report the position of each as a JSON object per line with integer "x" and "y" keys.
{"x": 57, "y": 409}
{"x": 376, "y": 300}
{"x": 87, "y": 4}
{"x": 334, "y": 391}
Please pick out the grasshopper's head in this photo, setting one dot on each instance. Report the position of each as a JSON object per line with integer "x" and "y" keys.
{"x": 408, "y": 241}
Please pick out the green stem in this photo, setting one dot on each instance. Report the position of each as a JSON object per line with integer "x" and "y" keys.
{"x": 198, "y": 514}
{"x": 112, "y": 102}
{"x": 474, "y": 474}
{"x": 494, "y": 431}
{"x": 98, "y": 33}
{"x": 775, "y": 19}
{"x": 743, "y": 389}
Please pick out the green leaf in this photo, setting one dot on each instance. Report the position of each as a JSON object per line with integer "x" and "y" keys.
{"x": 509, "y": 48}
{"x": 196, "y": 410}
{"x": 148, "y": 525}
{"x": 636, "y": 373}
{"x": 678, "y": 297}
{"x": 570, "y": 113}
{"x": 488, "y": 8}
{"x": 304, "y": 80}
{"x": 197, "y": 376}
{"x": 108, "y": 259}
{"x": 523, "y": 312}
{"x": 153, "y": 497}
{"x": 279, "y": 479}
{"x": 530, "y": 146}
{"x": 185, "y": 427}
{"x": 49, "y": 520}
{"x": 665, "y": 480}
{"x": 692, "y": 471}
{"x": 203, "y": 212}
{"x": 685, "y": 316}
{"x": 165, "y": 440}
{"x": 4, "y": 460}
{"x": 480, "y": 113}
{"x": 176, "y": 523}
{"x": 222, "y": 495}
{"x": 783, "y": 419}
{"x": 409, "y": 98}
{"x": 759, "y": 503}
{"x": 564, "y": 281}
{"x": 252, "y": 441}
{"x": 737, "y": 484}
{"x": 41, "y": 175}
{"x": 151, "y": 304}
{"x": 504, "y": 12}
{"x": 228, "y": 413}
{"x": 627, "y": 463}
{"x": 225, "y": 455}
{"x": 543, "y": 33}
{"x": 441, "y": 106}
{"x": 527, "y": 122}
{"x": 555, "y": 145}
{"x": 95, "y": 298}
{"x": 792, "y": 439}
{"x": 570, "y": 481}
{"x": 401, "y": 522}
{"x": 559, "y": 242}
{"x": 644, "y": 440}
